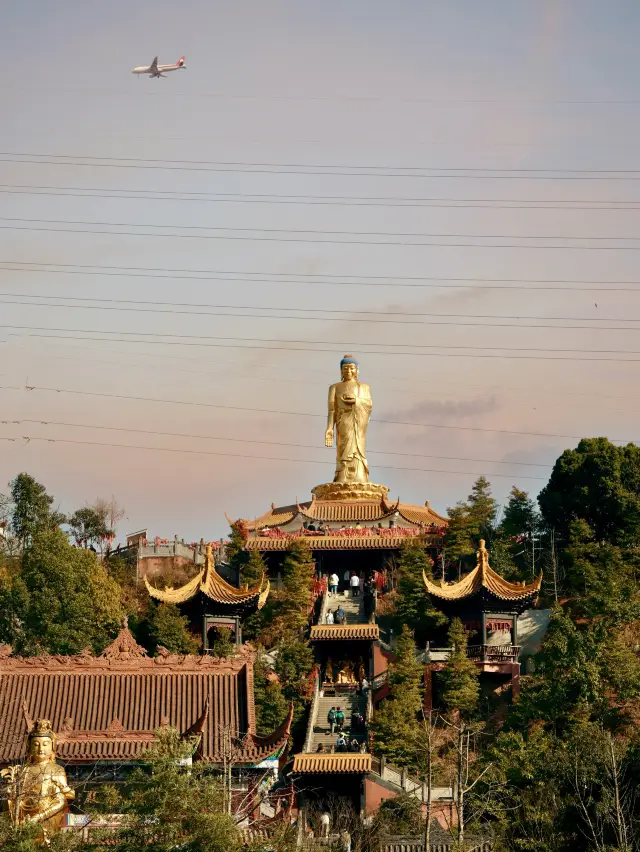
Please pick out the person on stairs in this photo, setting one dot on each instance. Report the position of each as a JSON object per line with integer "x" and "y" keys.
{"x": 331, "y": 719}
{"x": 339, "y": 719}
{"x": 355, "y": 586}
{"x": 333, "y": 584}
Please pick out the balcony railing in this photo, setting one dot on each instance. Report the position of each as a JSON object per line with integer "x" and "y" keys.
{"x": 494, "y": 653}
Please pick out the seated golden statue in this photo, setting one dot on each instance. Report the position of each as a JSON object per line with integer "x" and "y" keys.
{"x": 345, "y": 675}
{"x": 38, "y": 791}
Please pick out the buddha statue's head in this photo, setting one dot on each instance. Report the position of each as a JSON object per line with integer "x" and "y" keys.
{"x": 41, "y": 745}
{"x": 349, "y": 368}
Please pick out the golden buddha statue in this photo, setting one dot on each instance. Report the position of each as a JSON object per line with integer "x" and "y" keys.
{"x": 349, "y": 411}
{"x": 38, "y": 790}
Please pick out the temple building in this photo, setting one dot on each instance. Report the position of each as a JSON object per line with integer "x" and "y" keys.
{"x": 488, "y": 606}
{"x": 343, "y": 532}
{"x": 107, "y": 709}
{"x": 211, "y": 602}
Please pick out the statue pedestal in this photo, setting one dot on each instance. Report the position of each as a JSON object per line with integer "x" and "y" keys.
{"x": 350, "y": 491}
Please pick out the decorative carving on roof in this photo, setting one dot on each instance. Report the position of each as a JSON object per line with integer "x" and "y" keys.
{"x": 5, "y": 651}
{"x": 123, "y": 648}
{"x": 484, "y": 578}
{"x": 114, "y": 728}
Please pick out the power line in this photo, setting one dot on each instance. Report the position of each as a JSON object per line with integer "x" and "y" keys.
{"x": 451, "y": 174}
{"x": 32, "y": 388}
{"x": 345, "y": 280}
{"x": 29, "y": 438}
{"x": 172, "y": 312}
{"x": 317, "y": 349}
{"x": 254, "y": 441}
{"x": 316, "y": 231}
{"x": 355, "y": 167}
{"x": 311, "y": 239}
{"x": 315, "y": 200}
{"x": 528, "y": 391}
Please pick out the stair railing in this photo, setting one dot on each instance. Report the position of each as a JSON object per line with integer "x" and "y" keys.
{"x": 313, "y": 713}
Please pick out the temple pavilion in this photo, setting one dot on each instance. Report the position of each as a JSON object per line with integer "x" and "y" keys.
{"x": 211, "y": 602}
{"x": 488, "y": 606}
{"x": 345, "y": 532}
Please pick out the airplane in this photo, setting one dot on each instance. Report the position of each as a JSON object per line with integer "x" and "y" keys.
{"x": 155, "y": 70}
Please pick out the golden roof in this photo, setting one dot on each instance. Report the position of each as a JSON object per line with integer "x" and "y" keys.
{"x": 319, "y": 763}
{"x": 364, "y": 541}
{"x": 346, "y": 510}
{"x": 345, "y": 631}
{"x": 483, "y": 577}
{"x": 211, "y": 584}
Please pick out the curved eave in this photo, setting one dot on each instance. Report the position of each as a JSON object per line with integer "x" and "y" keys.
{"x": 176, "y": 596}
{"x": 272, "y": 743}
{"x": 217, "y": 589}
{"x": 474, "y": 583}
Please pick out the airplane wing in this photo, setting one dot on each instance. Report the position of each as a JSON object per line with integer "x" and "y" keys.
{"x": 154, "y": 65}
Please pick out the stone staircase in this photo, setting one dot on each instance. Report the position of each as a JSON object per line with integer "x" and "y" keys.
{"x": 352, "y": 607}
{"x": 348, "y": 701}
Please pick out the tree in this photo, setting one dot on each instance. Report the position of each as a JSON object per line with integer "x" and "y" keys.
{"x": 482, "y": 509}
{"x": 458, "y": 537}
{"x": 31, "y": 509}
{"x": 169, "y": 806}
{"x": 599, "y": 483}
{"x": 223, "y": 645}
{"x": 395, "y": 725}
{"x": 271, "y": 705}
{"x": 414, "y": 607}
{"x": 88, "y": 528}
{"x": 294, "y": 662}
{"x": 520, "y": 518}
{"x": 236, "y": 555}
{"x": 61, "y": 600}
{"x": 460, "y": 692}
{"x": 169, "y": 629}
{"x": 296, "y": 599}
{"x": 253, "y": 570}
{"x": 460, "y": 687}
{"x": 111, "y": 513}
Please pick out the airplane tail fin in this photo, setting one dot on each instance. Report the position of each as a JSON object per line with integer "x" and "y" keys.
{"x": 180, "y": 61}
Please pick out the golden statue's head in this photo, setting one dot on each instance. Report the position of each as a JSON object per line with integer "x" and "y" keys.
{"x": 349, "y": 368}
{"x": 41, "y": 743}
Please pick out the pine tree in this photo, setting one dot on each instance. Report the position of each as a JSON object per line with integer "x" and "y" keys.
{"x": 235, "y": 552}
{"x": 458, "y": 537}
{"x": 414, "y": 606}
{"x": 461, "y": 689}
{"x": 299, "y": 571}
{"x": 482, "y": 509}
{"x": 395, "y": 725}
{"x": 271, "y": 705}
{"x": 253, "y": 570}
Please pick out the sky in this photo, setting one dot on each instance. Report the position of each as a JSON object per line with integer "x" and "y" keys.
{"x": 470, "y": 168}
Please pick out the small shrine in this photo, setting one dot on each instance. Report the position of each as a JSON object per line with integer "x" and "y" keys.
{"x": 210, "y": 601}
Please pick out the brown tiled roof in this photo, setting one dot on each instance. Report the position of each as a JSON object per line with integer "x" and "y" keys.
{"x": 365, "y": 541}
{"x": 332, "y": 511}
{"x": 211, "y": 584}
{"x": 345, "y": 631}
{"x": 483, "y": 577}
{"x": 108, "y": 707}
{"x": 328, "y": 763}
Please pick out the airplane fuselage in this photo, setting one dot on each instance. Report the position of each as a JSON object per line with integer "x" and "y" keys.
{"x": 155, "y": 70}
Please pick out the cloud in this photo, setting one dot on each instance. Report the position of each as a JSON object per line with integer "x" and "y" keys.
{"x": 444, "y": 409}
